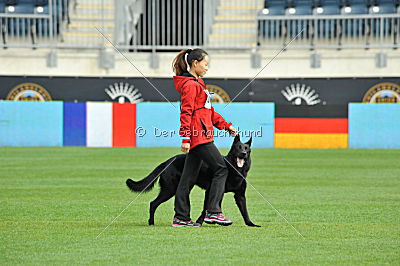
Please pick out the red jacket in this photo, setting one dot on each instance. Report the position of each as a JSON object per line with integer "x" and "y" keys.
{"x": 198, "y": 117}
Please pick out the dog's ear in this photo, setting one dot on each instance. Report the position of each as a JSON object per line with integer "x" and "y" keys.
{"x": 249, "y": 141}
{"x": 237, "y": 138}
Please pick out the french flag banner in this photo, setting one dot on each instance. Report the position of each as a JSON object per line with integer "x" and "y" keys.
{"x": 124, "y": 125}
{"x": 74, "y": 124}
{"x": 97, "y": 124}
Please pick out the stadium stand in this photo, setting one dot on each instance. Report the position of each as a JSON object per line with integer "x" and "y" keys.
{"x": 33, "y": 18}
{"x": 343, "y": 21}
{"x": 245, "y": 24}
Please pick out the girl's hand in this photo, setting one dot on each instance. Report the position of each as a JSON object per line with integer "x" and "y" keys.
{"x": 232, "y": 131}
{"x": 185, "y": 147}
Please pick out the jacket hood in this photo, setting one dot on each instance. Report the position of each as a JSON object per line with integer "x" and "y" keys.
{"x": 179, "y": 81}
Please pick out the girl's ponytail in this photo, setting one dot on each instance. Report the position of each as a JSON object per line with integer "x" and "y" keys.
{"x": 185, "y": 58}
{"x": 179, "y": 64}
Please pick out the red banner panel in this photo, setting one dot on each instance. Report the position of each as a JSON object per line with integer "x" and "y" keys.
{"x": 311, "y": 125}
{"x": 124, "y": 125}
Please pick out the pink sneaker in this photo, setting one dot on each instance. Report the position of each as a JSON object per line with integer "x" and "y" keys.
{"x": 180, "y": 223}
{"x": 217, "y": 218}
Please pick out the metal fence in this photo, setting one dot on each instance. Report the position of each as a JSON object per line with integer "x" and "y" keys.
{"x": 161, "y": 25}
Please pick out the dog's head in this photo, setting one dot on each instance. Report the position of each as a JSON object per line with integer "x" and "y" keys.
{"x": 240, "y": 151}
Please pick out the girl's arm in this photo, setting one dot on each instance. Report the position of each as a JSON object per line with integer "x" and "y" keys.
{"x": 188, "y": 97}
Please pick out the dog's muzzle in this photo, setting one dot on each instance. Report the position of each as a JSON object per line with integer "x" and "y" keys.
{"x": 240, "y": 162}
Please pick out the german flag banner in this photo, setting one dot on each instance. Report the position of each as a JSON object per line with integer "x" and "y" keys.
{"x": 317, "y": 127}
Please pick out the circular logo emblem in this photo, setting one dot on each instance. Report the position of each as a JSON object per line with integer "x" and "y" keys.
{"x": 220, "y": 96}
{"x": 29, "y": 92}
{"x": 383, "y": 93}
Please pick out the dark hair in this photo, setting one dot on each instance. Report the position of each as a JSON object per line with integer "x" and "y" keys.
{"x": 179, "y": 64}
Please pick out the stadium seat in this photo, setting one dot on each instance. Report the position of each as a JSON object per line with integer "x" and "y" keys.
{"x": 327, "y": 27}
{"x": 18, "y": 26}
{"x": 33, "y": 27}
{"x": 272, "y": 28}
{"x": 302, "y": 10}
{"x": 355, "y": 9}
{"x": 354, "y": 27}
{"x": 328, "y": 9}
{"x": 42, "y": 2}
{"x": 10, "y": 2}
{"x": 45, "y": 10}
{"x": 383, "y": 7}
{"x": 299, "y": 8}
{"x": 2, "y": 7}
{"x": 274, "y": 3}
{"x": 42, "y": 26}
{"x": 60, "y": 13}
{"x": 22, "y": 8}
{"x": 275, "y": 8}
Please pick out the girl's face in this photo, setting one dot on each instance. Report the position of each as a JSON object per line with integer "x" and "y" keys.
{"x": 200, "y": 67}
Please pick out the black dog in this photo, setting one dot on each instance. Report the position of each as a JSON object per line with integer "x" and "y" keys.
{"x": 238, "y": 162}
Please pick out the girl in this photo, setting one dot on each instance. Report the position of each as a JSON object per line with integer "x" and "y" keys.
{"x": 197, "y": 121}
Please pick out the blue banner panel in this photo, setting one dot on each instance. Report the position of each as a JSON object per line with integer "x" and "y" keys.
{"x": 31, "y": 123}
{"x": 74, "y": 124}
{"x": 374, "y": 126}
{"x": 251, "y": 119}
{"x": 158, "y": 124}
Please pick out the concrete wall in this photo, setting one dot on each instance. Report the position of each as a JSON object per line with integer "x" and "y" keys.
{"x": 289, "y": 64}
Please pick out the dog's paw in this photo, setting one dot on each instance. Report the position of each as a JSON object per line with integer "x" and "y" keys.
{"x": 200, "y": 221}
{"x": 252, "y": 225}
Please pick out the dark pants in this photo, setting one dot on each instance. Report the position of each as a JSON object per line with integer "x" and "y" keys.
{"x": 208, "y": 153}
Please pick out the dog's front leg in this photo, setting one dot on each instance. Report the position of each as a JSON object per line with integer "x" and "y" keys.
{"x": 240, "y": 200}
{"x": 200, "y": 220}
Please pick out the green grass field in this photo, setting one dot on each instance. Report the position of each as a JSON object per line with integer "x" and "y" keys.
{"x": 55, "y": 201}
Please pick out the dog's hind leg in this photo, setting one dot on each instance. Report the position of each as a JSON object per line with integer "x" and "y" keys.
{"x": 200, "y": 220}
{"x": 162, "y": 197}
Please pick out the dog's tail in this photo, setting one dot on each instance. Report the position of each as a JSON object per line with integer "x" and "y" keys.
{"x": 147, "y": 183}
